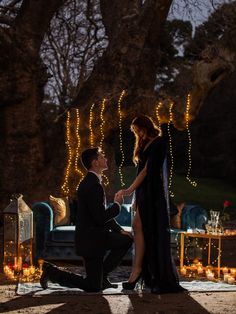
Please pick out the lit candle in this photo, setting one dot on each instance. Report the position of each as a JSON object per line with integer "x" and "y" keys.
{"x": 226, "y": 276}
{"x": 20, "y": 263}
{"x": 183, "y": 271}
{"x": 210, "y": 275}
{"x": 199, "y": 270}
{"x": 26, "y": 272}
{"x": 32, "y": 270}
{"x": 15, "y": 266}
{"x": 225, "y": 270}
{"x": 231, "y": 280}
{"x": 233, "y": 272}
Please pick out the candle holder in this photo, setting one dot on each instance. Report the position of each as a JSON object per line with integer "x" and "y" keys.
{"x": 18, "y": 235}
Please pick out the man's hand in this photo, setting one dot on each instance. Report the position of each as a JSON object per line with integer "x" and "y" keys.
{"x": 129, "y": 234}
{"x": 119, "y": 198}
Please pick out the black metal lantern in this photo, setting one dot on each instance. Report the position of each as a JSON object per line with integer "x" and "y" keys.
{"x": 18, "y": 235}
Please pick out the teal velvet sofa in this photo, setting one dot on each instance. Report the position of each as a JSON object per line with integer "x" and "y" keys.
{"x": 57, "y": 242}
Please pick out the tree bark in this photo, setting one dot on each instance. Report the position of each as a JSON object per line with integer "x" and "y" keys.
{"x": 22, "y": 78}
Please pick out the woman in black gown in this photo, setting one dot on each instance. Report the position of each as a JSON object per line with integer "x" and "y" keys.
{"x": 152, "y": 261}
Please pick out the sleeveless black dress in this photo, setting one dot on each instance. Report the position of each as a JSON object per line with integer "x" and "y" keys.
{"x": 158, "y": 270}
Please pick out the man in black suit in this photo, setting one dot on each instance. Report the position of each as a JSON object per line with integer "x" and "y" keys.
{"x": 96, "y": 232}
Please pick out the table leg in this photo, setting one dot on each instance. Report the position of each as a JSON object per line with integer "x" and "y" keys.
{"x": 181, "y": 250}
{"x": 219, "y": 257}
{"x": 209, "y": 252}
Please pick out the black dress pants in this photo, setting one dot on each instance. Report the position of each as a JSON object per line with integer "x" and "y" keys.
{"x": 96, "y": 267}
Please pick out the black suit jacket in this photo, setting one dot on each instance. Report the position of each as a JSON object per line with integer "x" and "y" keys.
{"x": 94, "y": 220}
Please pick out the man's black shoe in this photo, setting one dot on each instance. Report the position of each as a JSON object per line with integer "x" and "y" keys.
{"x": 106, "y": 284}
{"x": 45, "y": 275}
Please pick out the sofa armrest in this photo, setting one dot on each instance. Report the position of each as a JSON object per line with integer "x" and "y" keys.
{"x": 43, "y": 224}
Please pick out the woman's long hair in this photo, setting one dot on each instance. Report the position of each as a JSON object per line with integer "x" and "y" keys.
{"x": 147, "y": 125}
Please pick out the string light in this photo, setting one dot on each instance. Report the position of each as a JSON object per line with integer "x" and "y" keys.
{"x": 91, "y": 134}
{"x": 158, "y": 115}
{"x": 65, "y": 186}
{"x": 170, "y": 149}
{"x": 120, "y": 139}
{"x": 106, "y": 181}
{"x": 77, "y": 150}
{"x": 193, "y": 183}
{"x": 102, "y": 123}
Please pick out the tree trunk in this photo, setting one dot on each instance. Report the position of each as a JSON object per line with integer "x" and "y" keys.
{"x": 22, "y": 78}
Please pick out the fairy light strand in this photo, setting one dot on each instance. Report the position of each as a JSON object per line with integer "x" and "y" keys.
{"x": 170, "y": 149}
{"x": 106, "y": 181}
{"x": 91, "y": 133}
{"x": 77, "y": 150}
{"x": 65, "y": 186}
{"x": 158, "y": 114}
{"x": 102, "y": 122}
{"x": 120, "y": 139}
{"x": 188, "y": 103}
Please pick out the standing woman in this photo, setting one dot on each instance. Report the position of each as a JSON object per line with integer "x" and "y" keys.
{"x": 152, "y": 260}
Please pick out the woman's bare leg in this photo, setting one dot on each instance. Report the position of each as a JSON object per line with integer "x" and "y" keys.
{"x": 139, "y": 247}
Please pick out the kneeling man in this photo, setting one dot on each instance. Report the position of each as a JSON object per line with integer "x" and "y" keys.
{"x": 96, "y": 232}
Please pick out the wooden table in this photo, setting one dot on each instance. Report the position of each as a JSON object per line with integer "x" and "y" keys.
{"x": 208, "y": 236}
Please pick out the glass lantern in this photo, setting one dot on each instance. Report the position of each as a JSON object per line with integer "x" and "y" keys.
{"x": 18, "y": 236}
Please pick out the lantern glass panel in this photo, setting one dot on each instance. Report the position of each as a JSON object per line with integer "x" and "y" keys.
{"x": 10, "y": 239}
{"x": 25, "y": 236}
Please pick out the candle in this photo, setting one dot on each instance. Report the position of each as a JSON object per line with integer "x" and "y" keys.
{"x": 32, "y": 270}
{"x": 199, "y": 270}
{"x": 210, "y": 275}
{"x": 183, "y": 271}
{"x": 20, "y": 263}
{"x": 226, "y": 276}
{"x": 225, "y": 270}
{"x": 15, "y": 266}
{"x": 233, "y": 272}
{"x": 231, "y": 280}
{"x": 26, "y": 272}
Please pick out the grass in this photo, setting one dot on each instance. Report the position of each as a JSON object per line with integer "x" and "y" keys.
{"x": 209, "y": 193}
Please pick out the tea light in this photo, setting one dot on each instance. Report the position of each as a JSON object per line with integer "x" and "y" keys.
{"x": 199, "y": 270}
{"x": 32, "y": 270}
{"x": 26, "y": 272}
{"x": 183, "y": 271}
{"x": 210, "y": 276}
{"x": 231, "y": 280}
{"x": 225, "y": 270}
{"x": 233, "y": 272}
{"x": 226, "y": 277}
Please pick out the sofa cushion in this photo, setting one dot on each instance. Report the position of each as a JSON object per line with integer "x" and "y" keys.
{"x": 61, "y": 210}
{"x": 63, "y": 234}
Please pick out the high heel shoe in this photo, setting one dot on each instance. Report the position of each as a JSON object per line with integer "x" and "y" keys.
{"x": 130, "y": 285}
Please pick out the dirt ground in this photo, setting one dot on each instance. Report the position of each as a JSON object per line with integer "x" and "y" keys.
{"x": 194, "y": 302}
